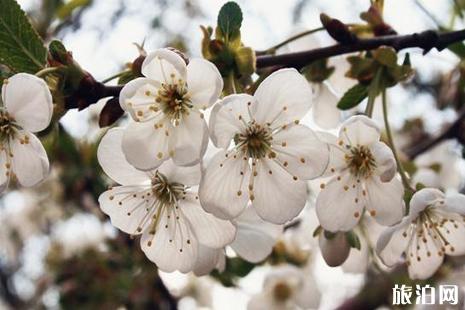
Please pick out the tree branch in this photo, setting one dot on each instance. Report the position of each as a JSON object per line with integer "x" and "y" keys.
{"x": 425, "y": 40}
{"x": 454, "y": 130}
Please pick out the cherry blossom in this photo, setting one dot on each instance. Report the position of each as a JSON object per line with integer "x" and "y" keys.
{"x": 287, "y": 287}
{"x": 166, "y": 108}
{"x": 267, "y": 154}
{"x": 254, "y": 241}
{"x": 26, "y": 108}
{"x": 160, "y": 205}
{"x": 433, "y": 228}
{"x": 362, "y": 171}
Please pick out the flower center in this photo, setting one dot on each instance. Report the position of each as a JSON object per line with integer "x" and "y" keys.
{"x": 7, "y": 126}
{"x": 174, "y": 100}
{"x": 167, "y": 193}
{"x": 361, "y": 161}
{"x": 282, "y": 291}
{"x": 255, "y": 141}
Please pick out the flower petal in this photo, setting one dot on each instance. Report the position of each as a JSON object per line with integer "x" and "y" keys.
{"x": 393, "y": 242}
{"x": 229, "y": 117}
{"x": 283, "y": 97}
{"x": 188, "y": 176}
{"x": 343, "y": 213}
{"x": 173, "y": 246}
{"x": 455, "y": 203}
{"x": 207, "y": 260}
{"x": 335, "y": 250}
{"x": 146, "y": 145}
{"x": 309, "y": 295}
{"x": 386, "y": 166}
{"x": 128, "y": 208}
{"x": 423, "y": 257}
{"x": 164, "y": 66}
{"x": 5, "y": 170}
{"x": 279, "y": 197}
{"x": 29, "y": 162}
{"x": 138, "y": 98}
{"x": 422, "y": 199}
{"x": 28, "y": 100}
{"x": 325, "y": 111}
{"x": 204, "y": 82}
{"x": 210, "y": 231}
{"x": 359, "y": 130}
{"x": 223, "y": 189}
{"x": 358, "y": 260}
{"x": 384, "y": 200}
{"x": 301, "y": 152}
{"x": 255, "y": 238}
{"x": 114, "y": 164}
{"x": 190, "y": 139}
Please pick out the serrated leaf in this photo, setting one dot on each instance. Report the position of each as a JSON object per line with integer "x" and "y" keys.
{"x": 353, "y": 97}
{"x": 230, "y": 19}
{"x": 21, "y": 48}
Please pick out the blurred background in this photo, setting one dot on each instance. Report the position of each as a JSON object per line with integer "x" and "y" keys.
{"x": 57, "y": 250}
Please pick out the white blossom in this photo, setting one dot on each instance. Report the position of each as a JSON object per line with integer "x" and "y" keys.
{"x": 254, "y": 241}
{"x": 166, "y": 108}
{"x": 362, "y": 171}
{"x": 267, "y": 154}
{"x": 26, "y": 108}
{"x": 433, "y": 228}
{"x": 287, "y": 287}
{"x": 162, "y": 206}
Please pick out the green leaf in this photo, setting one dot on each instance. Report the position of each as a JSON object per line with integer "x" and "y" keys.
{"x": 21, "y": 48}
{"x": 230, "y": 19}
{"x": 353, "y": 240}
{"x": 353, "y": 97}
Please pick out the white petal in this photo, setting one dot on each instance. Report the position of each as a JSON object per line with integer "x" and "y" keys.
{"x": 455, "y": 203}
{"x": 29, "y": 162}
{"x": 301, "y": 152}
{"x": 164, "y": 66}
{"x": 422, "y": 199}
{"x": 325, "y": 111}
{"x": 337, "y": 161}
{"x": 128, "y": 208}
{"x": 210, "y": 231}
{"x": 283, "y": 97}
{"x": 453, "y": 230}
{"x": 393, "y": 242}
{"x": 229, "y": 117}
{"x": 114, "y": 164}
{"x": 224, "y": 186}
{"x": 358, "y": 260}
{"x": 309, "y": 295}
{"x": 28, "y": 100}
{"x": 174, "y": 245}
{"x": 207, "y": 260}
{"x": 189, "y": 141}
{"x": 359, "y": 130}
{"x": 334, "y": 251}
{"x": 138, "y": 98}
{"x": 339, "y": 205}
{"x": 266, "y": 300}
{"x": 279, "y": 197}
{"x": 204, "y": 82}
{"x": 385, "y": 199}
{"x": 145, "y": 146}
{"x": 386, "y": 166}
{"x": 188, "y": 176}
{"x": 5, "y": 172}
{"x": 426, "y": 176}
{"x": 255, "y": 238}
{"x": 423, "y": 257}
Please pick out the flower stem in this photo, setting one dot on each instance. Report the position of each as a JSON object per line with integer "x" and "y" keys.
{"x": 272, "y": 49}
{"x": 117, "y": 75}
{"x": 400, "y": 168}
{"x": 46, "y": 71}
{"x": 232, "y": 83}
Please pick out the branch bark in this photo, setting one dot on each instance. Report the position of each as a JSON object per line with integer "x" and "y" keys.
{"x": 425, "y": 40}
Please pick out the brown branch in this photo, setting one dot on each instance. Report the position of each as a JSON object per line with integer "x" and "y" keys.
{"x": 425, "y": 40}
{"x": 454, "y": 130}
